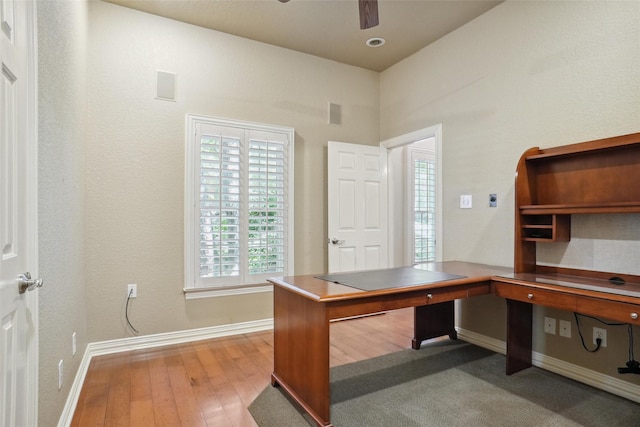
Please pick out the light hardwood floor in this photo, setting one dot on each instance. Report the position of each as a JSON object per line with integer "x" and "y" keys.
{"x": 211, "y": 383}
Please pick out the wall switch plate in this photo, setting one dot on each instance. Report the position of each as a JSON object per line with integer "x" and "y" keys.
{"x": 602, "y": 334}
{"x": 466, "y": 201}
{"x": 550, "y": 325}
{"x": 132, "y": 290}
{"x": 565, "y": 328}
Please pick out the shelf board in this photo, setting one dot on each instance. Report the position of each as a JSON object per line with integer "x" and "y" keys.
{"x": 581, "y": 208}
{"x": 619, "y": 142}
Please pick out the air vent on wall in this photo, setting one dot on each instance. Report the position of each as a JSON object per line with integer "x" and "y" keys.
{"x": 335, "y": 114}
{"x": 166, "y": 89}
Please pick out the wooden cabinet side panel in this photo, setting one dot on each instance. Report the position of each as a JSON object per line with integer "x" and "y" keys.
{"x": 519, "y": 336}
{"x": 434, "y": 320}
{"x": 525, "y": 194}
{"x": 301, "y": 350}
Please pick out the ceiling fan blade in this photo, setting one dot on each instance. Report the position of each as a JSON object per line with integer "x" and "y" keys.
{"x": 368, "y": 13}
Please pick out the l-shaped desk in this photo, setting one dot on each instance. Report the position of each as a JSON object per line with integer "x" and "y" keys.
{"x": 304, "y": 306}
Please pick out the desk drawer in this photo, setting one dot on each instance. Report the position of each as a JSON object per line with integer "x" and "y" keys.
{"x": 437, "y": 296}
{"x": 531, "y": 295}
{"x": 619, "y": 311}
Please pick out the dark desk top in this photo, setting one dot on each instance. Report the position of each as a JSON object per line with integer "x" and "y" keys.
{"x": 324, "y": 291}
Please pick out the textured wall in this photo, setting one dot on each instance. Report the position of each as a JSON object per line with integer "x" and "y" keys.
{"x": 524, "y": 74}
{"x": 135, "y": 156}
{"x": 61, "y": 185}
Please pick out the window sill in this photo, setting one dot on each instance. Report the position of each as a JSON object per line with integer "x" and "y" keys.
{"x": 197, "y": 293}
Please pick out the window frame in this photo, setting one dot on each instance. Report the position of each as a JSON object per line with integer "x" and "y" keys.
{"x": 193, "y": 287}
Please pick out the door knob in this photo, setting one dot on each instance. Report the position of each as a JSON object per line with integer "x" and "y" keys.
{"x": 335, "y": 241}
{"x": 26, "y": 283}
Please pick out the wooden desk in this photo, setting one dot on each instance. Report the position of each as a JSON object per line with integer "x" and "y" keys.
{"x": 570, "y": 292}
{"x": 593, "y": 177}
{"x": 304, "y": 306}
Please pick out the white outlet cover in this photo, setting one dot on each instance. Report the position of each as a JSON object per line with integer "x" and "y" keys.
{"x": 550, "y": 325}
{"x": 602, "y": 333}
{"x": 466, "y": 201}
{"x": 132, "y": 290}
{"x": 565, "y": 328}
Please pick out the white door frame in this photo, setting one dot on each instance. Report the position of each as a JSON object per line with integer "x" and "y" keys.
{"x": 32, "y": 211}
{"x": 435, "y": 132}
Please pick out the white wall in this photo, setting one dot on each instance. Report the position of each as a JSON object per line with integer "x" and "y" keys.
{"x": 524, "y": 74}
{"x": 135, "y": 156}
{"x": 62, "y": 129}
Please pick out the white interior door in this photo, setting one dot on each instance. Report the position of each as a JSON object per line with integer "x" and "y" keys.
{"x": 357, "y": 207}
{"x": 18, "y": 215}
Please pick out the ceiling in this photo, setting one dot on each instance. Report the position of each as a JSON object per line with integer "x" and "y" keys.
{"x": 326, "y": 28}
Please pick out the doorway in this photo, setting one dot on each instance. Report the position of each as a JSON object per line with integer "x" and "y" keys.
{"x": 404, "y": 229}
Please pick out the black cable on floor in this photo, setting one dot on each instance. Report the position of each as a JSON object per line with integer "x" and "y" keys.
{"x": 632, "y": 366}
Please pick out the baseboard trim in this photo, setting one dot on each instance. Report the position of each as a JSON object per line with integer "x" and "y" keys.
{"x": 578, "y": 373}
{"x": 150, "y": 341}
{"x": 74, "y": 393}
{"x": 177, "y": 337}
{"x": 480, "y": 340}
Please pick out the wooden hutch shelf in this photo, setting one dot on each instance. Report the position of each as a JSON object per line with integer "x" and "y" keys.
{"x": 552, "y": 184}
{"x": 607, "y": 144}
{"x": 546, "y": 228}
{"x": 594, "y": 177}
{"x": 581, "y": 208}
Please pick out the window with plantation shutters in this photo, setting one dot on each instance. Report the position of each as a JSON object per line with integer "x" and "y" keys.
{"x": 423, "y": 203}
{"x": 239, "y": 217}
{"x": 424, "y": 210}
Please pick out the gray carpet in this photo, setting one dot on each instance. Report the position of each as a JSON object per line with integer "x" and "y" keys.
{"x": 451, "y": 383}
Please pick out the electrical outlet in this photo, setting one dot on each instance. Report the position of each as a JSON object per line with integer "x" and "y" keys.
{"x": 132, "y": 290}
{"x": 493, "y": 200}
{"x": 73, "y": 344}
{"x": 550, "y": 325}
{"x": 565, "y": 328}
{"x": 60, "y": 373}
{"x": 602, "y": 334}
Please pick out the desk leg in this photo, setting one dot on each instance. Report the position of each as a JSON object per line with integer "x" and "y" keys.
{"x": 301, "y": 352}
{"x": 431, "y": 321}
{"x": 519, "y": 336}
